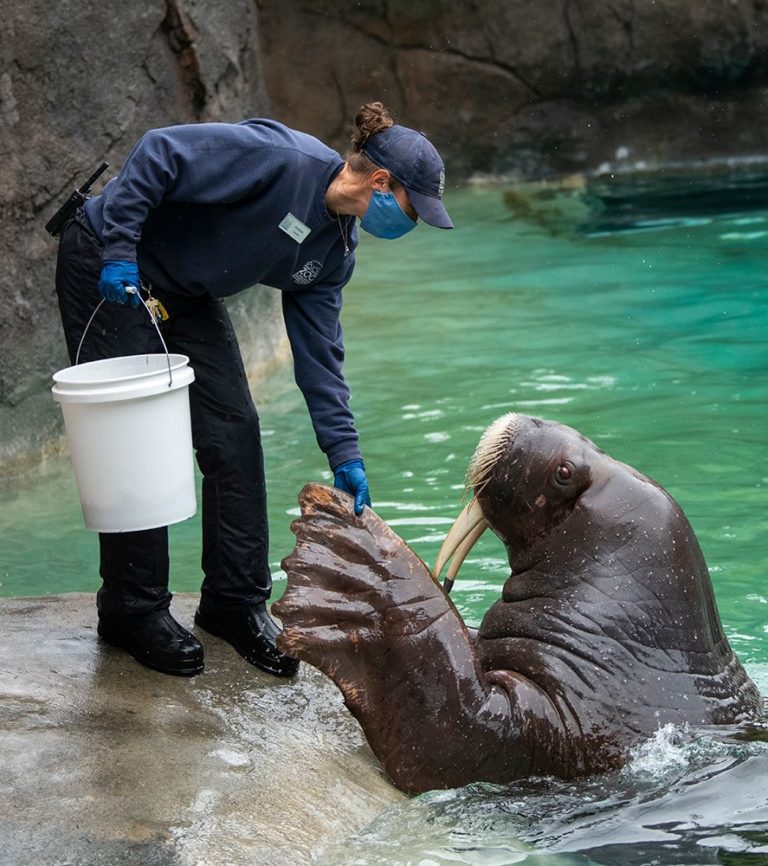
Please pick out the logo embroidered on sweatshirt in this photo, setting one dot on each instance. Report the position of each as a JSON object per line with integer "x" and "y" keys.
{"x": 308, "y": 273}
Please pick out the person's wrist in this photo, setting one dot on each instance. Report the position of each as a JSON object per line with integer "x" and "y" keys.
{"x": 350, "y": 477}
{"x": 348, "y": 464}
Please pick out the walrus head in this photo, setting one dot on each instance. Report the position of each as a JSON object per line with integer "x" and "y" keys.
{"x": 583, "y": 532}
{"x": 529, "y": 477}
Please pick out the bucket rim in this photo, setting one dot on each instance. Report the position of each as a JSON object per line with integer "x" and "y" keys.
{"x": 177, "y": 362}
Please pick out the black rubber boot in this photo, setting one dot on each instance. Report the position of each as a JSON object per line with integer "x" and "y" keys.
{"x": 252, "y": 632}
{"x": 156, "y": 640}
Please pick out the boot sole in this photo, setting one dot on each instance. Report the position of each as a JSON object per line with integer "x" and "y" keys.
{"x": 257, "y": 663}
{"x": 190, "y": 670}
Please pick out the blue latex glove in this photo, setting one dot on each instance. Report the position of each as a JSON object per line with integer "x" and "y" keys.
{"x": 350, "y": 477}
{"x": 115, "y": 278}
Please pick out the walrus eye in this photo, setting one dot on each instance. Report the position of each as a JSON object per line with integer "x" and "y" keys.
{"x": 563, "y": 473}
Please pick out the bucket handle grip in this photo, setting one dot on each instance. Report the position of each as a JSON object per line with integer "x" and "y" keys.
{"x": 131, "y": 290}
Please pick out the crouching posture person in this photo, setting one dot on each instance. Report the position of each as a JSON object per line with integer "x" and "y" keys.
{"x": 198, "y": 213}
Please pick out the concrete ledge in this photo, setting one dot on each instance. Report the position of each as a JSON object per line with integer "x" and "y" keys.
{"x": 104, "y": 762}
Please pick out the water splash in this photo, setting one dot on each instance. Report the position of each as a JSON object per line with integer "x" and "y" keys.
{"x": 684, "y": 798}
{"x": 661, "y": 757}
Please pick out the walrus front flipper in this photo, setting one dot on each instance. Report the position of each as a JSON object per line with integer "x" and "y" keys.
{"x": 362, "y": 607}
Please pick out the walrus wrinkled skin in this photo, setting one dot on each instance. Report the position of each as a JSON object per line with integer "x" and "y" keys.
{"x": 606, "y": 629}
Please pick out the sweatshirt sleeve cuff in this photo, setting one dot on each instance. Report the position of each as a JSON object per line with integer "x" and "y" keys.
{"x": 340, "y": 452}
{"x": 119, "y": 252}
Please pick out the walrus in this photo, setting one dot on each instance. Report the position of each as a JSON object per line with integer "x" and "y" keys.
{"x": 606, "y": 628}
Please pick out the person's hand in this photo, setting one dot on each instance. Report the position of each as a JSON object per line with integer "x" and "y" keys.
{"x": 115, "y": 279}
{"x": 350, "y": 477}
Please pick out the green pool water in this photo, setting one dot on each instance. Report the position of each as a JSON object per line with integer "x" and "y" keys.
{"x": 651, "y": 342}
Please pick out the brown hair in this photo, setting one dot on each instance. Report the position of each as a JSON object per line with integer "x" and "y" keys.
{"x": 371, "y": 118}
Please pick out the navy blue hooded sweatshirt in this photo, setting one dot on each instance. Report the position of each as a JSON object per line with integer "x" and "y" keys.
{"x": 199, "y": 208}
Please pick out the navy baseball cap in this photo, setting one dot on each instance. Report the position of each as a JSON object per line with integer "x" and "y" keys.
{"x": 413, "y": 160}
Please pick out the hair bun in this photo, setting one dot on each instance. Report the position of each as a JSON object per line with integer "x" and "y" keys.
{"x": 370, "y": 119}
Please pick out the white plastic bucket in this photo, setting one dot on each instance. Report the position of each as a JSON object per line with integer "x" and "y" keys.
{"x": 128, "y": 425}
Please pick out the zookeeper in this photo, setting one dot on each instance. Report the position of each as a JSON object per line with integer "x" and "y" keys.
{"x": 197, "y": 213}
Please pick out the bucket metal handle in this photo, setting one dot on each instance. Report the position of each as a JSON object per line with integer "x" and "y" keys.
{"x": 131, "y": 290}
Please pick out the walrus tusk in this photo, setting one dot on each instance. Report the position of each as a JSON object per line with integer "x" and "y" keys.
{"x": 461, "y": 538}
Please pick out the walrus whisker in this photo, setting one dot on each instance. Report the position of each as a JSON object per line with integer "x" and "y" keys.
{"x": 491, "y": 446}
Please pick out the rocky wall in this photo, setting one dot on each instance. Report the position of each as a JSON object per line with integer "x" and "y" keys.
{"x": 522, "y": 88}
{"x": 529, "y": 88}
{"x": 79, "y": 83}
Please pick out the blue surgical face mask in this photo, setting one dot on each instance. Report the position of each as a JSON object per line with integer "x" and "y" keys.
{"x": 384, "y": 217}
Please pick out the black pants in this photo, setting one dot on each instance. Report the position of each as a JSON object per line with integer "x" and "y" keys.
{"x": 225, "y": 435}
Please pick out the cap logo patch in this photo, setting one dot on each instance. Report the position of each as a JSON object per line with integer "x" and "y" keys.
{"x": 442, "y": 183}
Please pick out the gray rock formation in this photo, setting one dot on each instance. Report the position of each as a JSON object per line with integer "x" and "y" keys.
{"x": 79, "y": 83}
{"x": 524, "y": 87}
{"x": 520, "y": 87}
